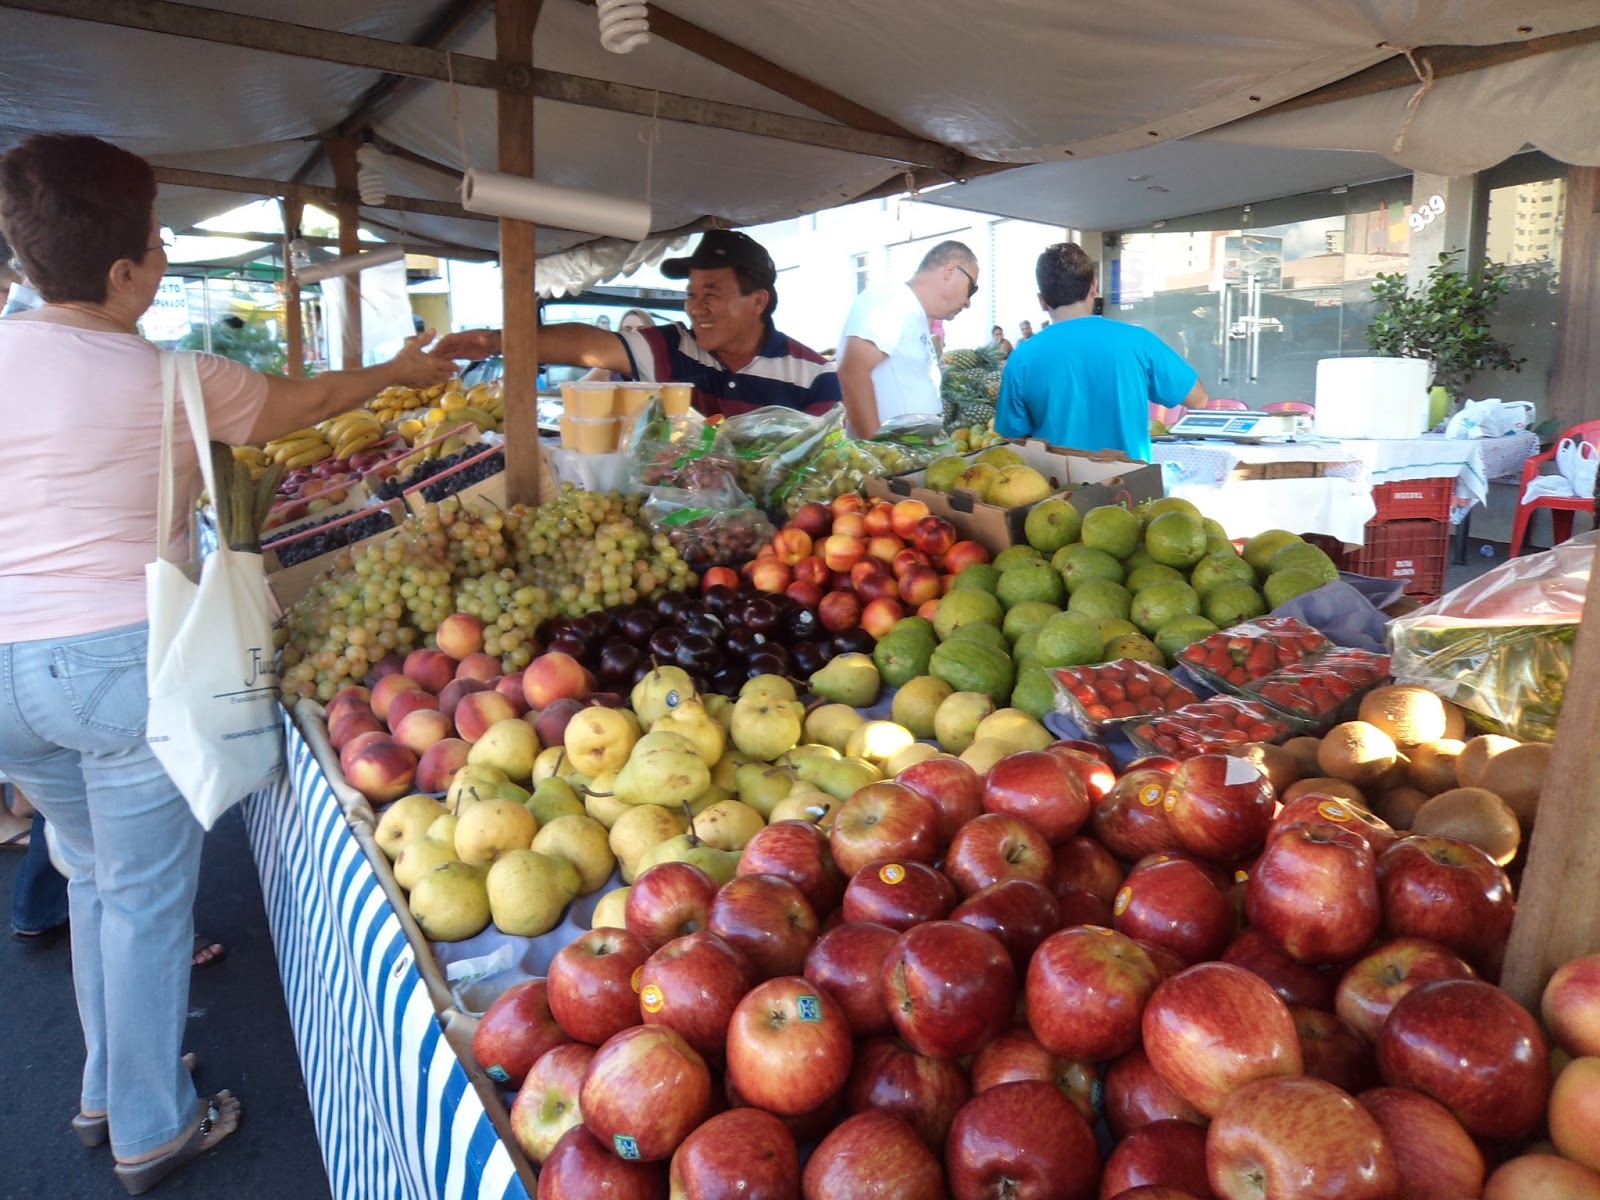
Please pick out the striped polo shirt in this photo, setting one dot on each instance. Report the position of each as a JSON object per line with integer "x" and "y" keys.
{"x": 782, "y": 373}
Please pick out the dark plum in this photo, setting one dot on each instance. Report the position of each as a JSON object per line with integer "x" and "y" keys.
{"x": 760, "y": 614}
{"x": 807, "y": 658}
{"x": 853, "y": 641}
{"x": 769, "y": 660}
{"x": 638, "y": 625}
{"x": 802, "y": 625}
{"x": 699, "y": 654}
{"x": 728, "y": 681}
{"x": 705, "y": 624}
{"x": 664, "y": 643}
{"x": 742, "y": 643}
{"x": 720, "y": 599}
{"x": 618, "y": 660}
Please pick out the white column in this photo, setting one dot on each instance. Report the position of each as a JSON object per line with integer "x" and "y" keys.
{"x": 1443, "y": 211}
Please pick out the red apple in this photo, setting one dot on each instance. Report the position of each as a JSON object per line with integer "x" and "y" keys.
{"x": 667, "y": 901}
{"x": 692, "y": 985}
{"x": 789, "y": 1046}
{"x": 1472, "y": 1048}
{"x": 1016, "y": 1054}
{"x": 1314, "y": 893}
{"x": 1135, "y": 1095}
{"x": 515, "y": 1031}
{"x": 879, "y": 616}
{"x": 847, "y": 963}
{"x": 454, "y": 692}
{"x": 437, "y": 767}
{"x": 1335, "y": 810}
{"x": 432, "y": 669}
{"x": 1086, "y": 990}
{"x": 1331, "y": 1050}
{"x": 1298, "y": 1137}
{"x": 554, "y": 676}
{"x": 769, "y": 919}
{"x": 591, "y": 982}
{"x": 953, "y": 787}
{"x": 1298, "y": 984}
{"x": 1173, "y": 903}
{"x": 1021, "y": 1139}
{"x": 1372, "y": 985}
{"x": 1570, "y": 1006}
{"x": 645, "y": 1092}
{"x": 1545, "y": 1176}
{"x": 744, "y": 1152}
{"x": 993, "y": 847}
{"x": 547, "y": 1103}
{"x": 935, "y": 536}
{"x": 884, "y": 821}
{"x": 839, "y": 611}
{"x": 1037, "y": 787}
{"x": 1079, "y": 907}
{"x": 1084, "y": 863}
{"x": 950, "y": 988}
{"x": 1219, "y": 806}
{"x": 1448, "y": 891}
{"x": 1436, "y": 1159}
{"x": 581, "y": 1167}
{"x": 1018, "y": 912}
{"x": 796, "y": 851}
{"x": 888, "y": 1076}
{"x": 1214, "y": 1028}
{"x": 1098, "y": 776}
{"x": 873, "y": 1154}
{"x": 1131, "y": 821}
{"x": 962, "y": 555}
{"x": 1166, "y": 1153}
{"x": 898, "y": 895}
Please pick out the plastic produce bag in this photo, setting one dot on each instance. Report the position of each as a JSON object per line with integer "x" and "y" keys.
{"x": 1501, "y": 645}
{"x": 709, "y": 527}
{"x": 757, "y": 436}
{"x": 909, "y": 443}
{"x": 682, "y": 451}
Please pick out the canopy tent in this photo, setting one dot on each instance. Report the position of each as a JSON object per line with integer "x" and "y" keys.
{"x": 736, "y": 114}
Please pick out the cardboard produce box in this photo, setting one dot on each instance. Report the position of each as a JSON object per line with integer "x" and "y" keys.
{"x": 290, "y": 580}
{"x": 1085, "y": 479}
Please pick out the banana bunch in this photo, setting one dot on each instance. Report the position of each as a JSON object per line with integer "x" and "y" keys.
{"x": 394, "y": 402}
{"x": 298, "y": 449}
{"x": 351, "y": 432}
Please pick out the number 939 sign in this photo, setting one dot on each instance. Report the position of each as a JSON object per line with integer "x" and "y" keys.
{"x": 1427, "y": 214}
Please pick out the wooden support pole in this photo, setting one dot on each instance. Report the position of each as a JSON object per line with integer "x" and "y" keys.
{"x": 1576, "y": 359}
{"x": 514, "y": 21}
{"x": 1558, "y": 910}
{"x": 342, "y": 157}
{"x": 294, "y": 336}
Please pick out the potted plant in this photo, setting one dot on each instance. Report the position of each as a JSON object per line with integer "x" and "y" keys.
{"x": 1446, "y": 321}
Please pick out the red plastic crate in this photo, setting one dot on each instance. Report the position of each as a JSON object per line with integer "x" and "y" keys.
{"x": 1413, "y": 500}
{"x": 1414, "y": 551}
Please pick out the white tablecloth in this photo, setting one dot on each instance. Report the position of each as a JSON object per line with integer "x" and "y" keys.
{"x": 1472, "y": 462}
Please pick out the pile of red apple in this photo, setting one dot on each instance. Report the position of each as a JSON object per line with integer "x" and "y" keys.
{"x": 860, "y": 563}
{"x": 949, "y": 991}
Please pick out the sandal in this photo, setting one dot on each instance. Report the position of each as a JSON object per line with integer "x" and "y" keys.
{"x": 140, "y": 1177}
{"x": 207, "y": 952}
{"x": 93, "y": 1131}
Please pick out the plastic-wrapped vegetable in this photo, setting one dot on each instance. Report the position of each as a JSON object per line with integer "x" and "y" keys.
{"x": 682, "y": 451}
{"x": 708, "y": 527}
{"x": 757, "y": 436}
{"x": 1501, "y": 645}
{"x": 908, "y": 443}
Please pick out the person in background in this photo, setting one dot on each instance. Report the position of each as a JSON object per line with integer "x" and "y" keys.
{"x": 39, "y": 895}
{"x": 1086, "y": 382}
{"x": 999, "y": 342}
{"x": 1024, "y": 331}
{"x": 888, "y": 366}
{"x": 80, "y": 215}
{"x": 732, "y": 354}
{"x": 603, "y": 322}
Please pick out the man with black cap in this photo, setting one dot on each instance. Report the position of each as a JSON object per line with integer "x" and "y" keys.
{"x": 732, "y": 354}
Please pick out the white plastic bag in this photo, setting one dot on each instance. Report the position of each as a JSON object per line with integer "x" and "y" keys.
{"x": 1578, "y": 463}
{"x": 1469, "y": 422}
{"x": 214, "y": 722}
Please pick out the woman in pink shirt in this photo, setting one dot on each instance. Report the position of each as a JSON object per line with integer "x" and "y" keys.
{"x": 78, "y": 528}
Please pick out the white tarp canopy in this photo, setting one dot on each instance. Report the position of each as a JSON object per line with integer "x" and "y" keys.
{"x": 946, "y": 88}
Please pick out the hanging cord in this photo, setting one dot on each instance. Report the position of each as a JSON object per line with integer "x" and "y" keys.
{"x": 650, "y": 137}
{"x": 1424, "y": 74}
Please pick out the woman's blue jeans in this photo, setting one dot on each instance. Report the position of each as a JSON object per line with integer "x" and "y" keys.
{"x": 72, "y": 723}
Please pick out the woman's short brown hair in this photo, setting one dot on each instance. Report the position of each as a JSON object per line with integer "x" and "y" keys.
{"x": 71, "y": 206}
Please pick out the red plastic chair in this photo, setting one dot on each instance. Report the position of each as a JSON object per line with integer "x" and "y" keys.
{"x": 1561, "y": 507}
{"x": 1290, "y": 406}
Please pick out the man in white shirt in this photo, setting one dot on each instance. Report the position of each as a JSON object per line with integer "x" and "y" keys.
{"x": 887, "y": 363}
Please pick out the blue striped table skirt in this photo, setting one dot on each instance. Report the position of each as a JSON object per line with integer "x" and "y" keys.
{"x": 393, "y": 1108}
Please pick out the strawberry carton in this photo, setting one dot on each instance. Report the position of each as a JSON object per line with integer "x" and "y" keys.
{"x": 1211, "y": 727}
{"x": 1324, "y": 690}
{"x": 1231, "y": 659}
{"x": 1102, "y": 697}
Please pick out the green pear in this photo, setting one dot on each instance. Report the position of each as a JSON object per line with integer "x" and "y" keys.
{"x": 955, "y": 722}
{"x": 583, "y": 842}
{"x": 662, "y": 689}
{"x": 641, "y": 828}
{"x": 709, "y": 798}
{"x": 419, "y": 856}
{"x": 774, "y": 685}
{"x": 702, "y": 731}
{"x": 472, "y": 784}
{"x": 610, "y": 913}
{"x": 814, "y": 750}
{"x": 727, "y": 825}
{"x": 1019, "y": 730}
{"x": 840, "y": 778}
{"x": 529, "y": 891}
{"x": 492, "y": 827}
{"x": 407, "y": 818}
{"x": 554, "y": 798}
{"x": 721, "y": 865}
{"x": 662, "y": 773}
{"x": 451, "y": 902}
{"x": 916, "y": 703}
{"x": 761, "y": 786}
{"x": 832, "y": 724}
{"x": 765, "y": 727}
{"x": 850, "y": 679}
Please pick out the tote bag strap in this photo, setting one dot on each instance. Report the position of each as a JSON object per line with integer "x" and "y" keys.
{"x": 180, "y": 377}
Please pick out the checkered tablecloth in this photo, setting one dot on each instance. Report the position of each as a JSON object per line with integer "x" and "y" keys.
{"x": 1210, "y": 463}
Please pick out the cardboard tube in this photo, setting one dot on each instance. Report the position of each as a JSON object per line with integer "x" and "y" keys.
{"x": 497, "y": 195}
{"x": 316, "y": 272}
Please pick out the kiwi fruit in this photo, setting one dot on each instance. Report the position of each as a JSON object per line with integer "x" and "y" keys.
{"x": 1432, "y": 765}
{"x": 1279, "y": 766}
{"x": 1474, "y": 758}
{"x": 1357, "y": 752}
{"x": 1408, "y": 714}
{"x": 1472, "y": 814}
{"x": 1304, "y": 751}
{"x": 1455, "y": 721}
{"x": 1399, "y": 806}
{"x": 1517, "y": 777}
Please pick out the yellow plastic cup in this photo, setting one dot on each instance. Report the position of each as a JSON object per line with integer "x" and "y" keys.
{"x": 675, "y": 398}
{"x": 589, "y": 435}
{"x": 633, "y": 399}
{"x": 589, "y": 401}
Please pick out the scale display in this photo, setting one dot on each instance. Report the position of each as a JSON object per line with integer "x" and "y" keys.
{"x": 1235, "y": 426}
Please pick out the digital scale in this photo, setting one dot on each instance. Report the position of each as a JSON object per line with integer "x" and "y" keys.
{"x": 1236, "y": 426}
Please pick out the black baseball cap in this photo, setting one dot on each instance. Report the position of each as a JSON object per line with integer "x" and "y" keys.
{"x": 726, "y": 248}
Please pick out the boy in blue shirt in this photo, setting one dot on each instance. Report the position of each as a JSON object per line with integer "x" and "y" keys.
{"x": 1084, "y": 382}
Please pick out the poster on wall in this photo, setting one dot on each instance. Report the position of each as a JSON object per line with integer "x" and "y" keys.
{"x": 167, "y": 318}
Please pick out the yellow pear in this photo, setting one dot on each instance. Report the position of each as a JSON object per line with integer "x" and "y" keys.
{"x": 806, "y": 802}
{"x": 640, "y": 828}
{"x": 510, "y": 745}
{"x": 762, "y": 785}
{"x": 878, "y": 742}
{"x": 601, "y": 803}
{"x": 610, "y": 912}
{"x": 492, "y": 827}
{"x": 661, "y": 689}
{"x": 910, "y": 756}
{"x": 664, "y": 768}
{"x": 698, "y": 727}
{"x": 721, "y": 865}
{"x": 725, "y": 772}
{"x": 1016, "y": 728}
{"x": 765, "y": 726}
{"x": 955, "y": 722}
{"x": 551, "y": 763}
{"x": 443, "y": 828}
{"x": 721, "y": 707}
{"x": 832, "y": 725}
{"x": 583, "y": 842}
{"x": 472, "y": 784}
{"x": 984, "y": 753}
{"x": 774, "y": 685}
{"x": 419, "y": 856}
{"x": 811, "y": 750}
{"x": 407, "y": 818}
{"x": 451, "y": 902}
{"x": 841, "y": 778}
{"x": 728, "y": 825}
{"x": 599, "y": 739}
{"x": 528, "y": 892}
